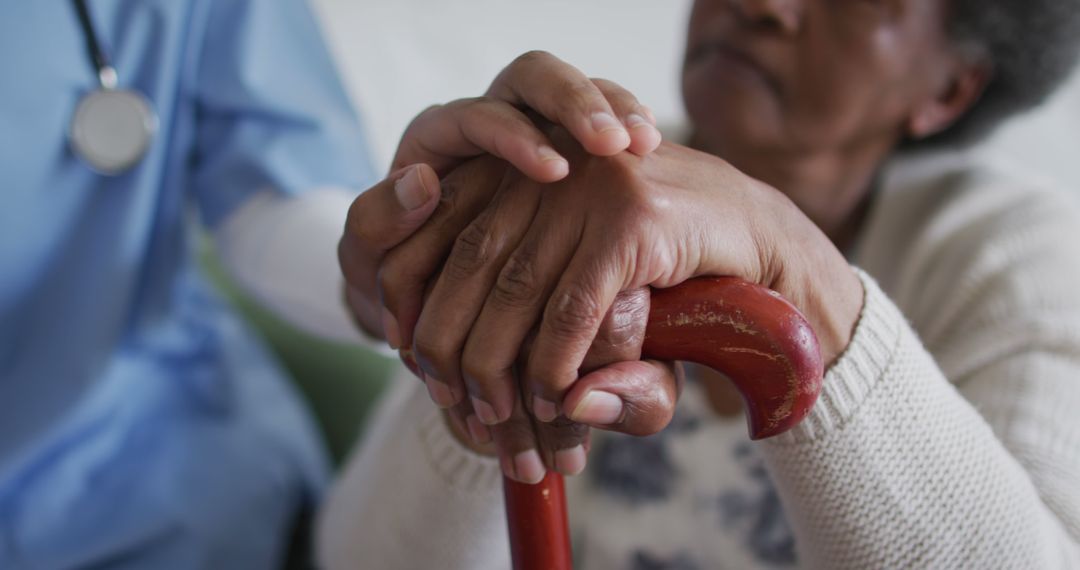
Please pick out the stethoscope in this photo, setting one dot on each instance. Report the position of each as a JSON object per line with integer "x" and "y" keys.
{"x": 112, "y": 128}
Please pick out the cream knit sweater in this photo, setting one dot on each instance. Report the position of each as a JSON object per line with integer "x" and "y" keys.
{"x": 947, "y": 436}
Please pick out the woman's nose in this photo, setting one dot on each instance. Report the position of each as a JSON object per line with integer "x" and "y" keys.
{"x": 784, "y": 16}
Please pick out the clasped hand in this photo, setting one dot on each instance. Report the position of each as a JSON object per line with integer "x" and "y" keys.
{"x": 522, "y": 303}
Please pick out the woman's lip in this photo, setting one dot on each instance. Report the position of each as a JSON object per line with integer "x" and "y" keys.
{"x": 734, "y": 57}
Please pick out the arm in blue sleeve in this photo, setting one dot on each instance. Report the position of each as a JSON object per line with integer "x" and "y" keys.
{"x": 271, "y": 113}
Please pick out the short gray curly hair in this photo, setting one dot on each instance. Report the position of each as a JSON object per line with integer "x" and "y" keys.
{"x": 1031, "y": 46}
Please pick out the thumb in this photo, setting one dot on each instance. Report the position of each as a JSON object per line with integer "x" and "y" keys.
{"x": 389, "y": 212}
{"x": 378, "y": 220}
{"x": 633, "y": 397}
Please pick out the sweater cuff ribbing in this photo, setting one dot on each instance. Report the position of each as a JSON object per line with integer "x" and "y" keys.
{"x": 859, "y": 369}
{"x": 455, "y": 464}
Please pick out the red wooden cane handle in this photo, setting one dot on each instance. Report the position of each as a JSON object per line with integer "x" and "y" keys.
{"x": 750, "y": 334}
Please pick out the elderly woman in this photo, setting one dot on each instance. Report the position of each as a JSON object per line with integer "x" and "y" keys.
{"x": 941, "y": 287}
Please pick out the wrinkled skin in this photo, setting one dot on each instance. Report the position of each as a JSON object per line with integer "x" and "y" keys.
{"x": 804, "y": 99}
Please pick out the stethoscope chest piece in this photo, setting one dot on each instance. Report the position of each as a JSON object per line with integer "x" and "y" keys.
{"x": 112, "y": 129}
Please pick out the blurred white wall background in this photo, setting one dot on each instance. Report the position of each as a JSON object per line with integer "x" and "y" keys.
{"x": 399, "y": 56}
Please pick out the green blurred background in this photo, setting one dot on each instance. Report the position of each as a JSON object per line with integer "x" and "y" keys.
{"x": 340, "y": 382}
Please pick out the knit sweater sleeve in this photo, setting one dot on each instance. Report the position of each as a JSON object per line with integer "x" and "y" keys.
{"x": 901, "y": 465}
{"x": 413, "y": 497}
{"x": 957, "y": 446}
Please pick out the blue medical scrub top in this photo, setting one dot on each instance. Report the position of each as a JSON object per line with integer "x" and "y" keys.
{"x": 141, "y": 425}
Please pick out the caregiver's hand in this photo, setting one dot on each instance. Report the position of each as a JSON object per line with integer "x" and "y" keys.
{"x": 605, "y": 118}
{"x": 559, "y": 256}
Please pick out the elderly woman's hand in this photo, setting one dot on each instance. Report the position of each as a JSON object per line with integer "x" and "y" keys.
{"x": 639, "y": 401}
{"x": 556, "y": 256}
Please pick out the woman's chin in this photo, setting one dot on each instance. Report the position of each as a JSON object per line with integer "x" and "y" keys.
{"x": 736, "y": 113}
{"x": 729, "y": 134}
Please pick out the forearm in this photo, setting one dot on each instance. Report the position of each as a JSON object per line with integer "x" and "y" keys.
{"x": 894, "y": 468}
{"x": 282, "y": 251}
{"x": 414, "y": 498}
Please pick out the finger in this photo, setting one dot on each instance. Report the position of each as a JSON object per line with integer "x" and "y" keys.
{"x": 632, "y": 397}
{"x": 406, "y": 269}
{"x": 564, "y": 444}
{"x": 458, "y": 296}
{"x": 565, "y": 96}
{"x": 465, "y": 421}
{"x": 571, "y": 320}
{"x": 384, "y": 216}
{"x": 622, "y": 332}
{"x": 444, "y": 135}
{"x": 639, "y": 120}
{"x": 519, "y": 454}
{"x": 511, "y": 309}
{"x": 377, "y": 220}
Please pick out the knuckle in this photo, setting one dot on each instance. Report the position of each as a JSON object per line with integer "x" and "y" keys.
{"x": 433, "y": 349}
{"x": 621, "y": 334}
{"x": 640, "y": 204}
{"x": 624, "y": 325}
{"x": 617, "y": 95}
{"x": 473, "y": 250}
{"x": 480, "y": 371}
{"x": 517, "y": 286}
{"x": 563, "y": 433}
{"x": 472, "y": 105}
{"x": 517, "y": 431}
{"x": 573, "y": 311}
{"x": 604, "y": 85}
{"x": 575, "y": 96}
{"x": 530, "y": 58}
{"x": 428, "y": 114}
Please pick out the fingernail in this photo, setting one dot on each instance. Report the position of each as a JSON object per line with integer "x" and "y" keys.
{"x": 544, "y": 410}
{"x": 570, "y": 461}
{"x": 484, "y": 411}
{"x": 479, "y": 432}
{"x": 644, "y": 128}
{"x": 410, "y": 191}
{"x": 604, "y": 122}
{"x": 649, "y": 114}
{"x": 528, "y": 467}
{"x": 557, "y": 166}
{"x": 390, "y": 329}
{"x": 547, "y": 153}
{"x": 635, "y": 120}
{"x": 598, "y": 408}
{"x": 439, "y": 392}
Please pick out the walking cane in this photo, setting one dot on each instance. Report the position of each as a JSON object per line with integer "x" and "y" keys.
{"x": 747, "y": 332}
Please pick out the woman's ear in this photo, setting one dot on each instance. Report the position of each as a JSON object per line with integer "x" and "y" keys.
{"x": 960, "y": 93}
